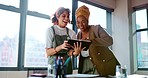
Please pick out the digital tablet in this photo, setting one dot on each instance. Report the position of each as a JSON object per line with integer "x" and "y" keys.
{"x": 85, "y": 43}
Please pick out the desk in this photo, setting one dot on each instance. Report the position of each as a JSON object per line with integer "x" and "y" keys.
{"x": 75, "y": 76}
{"x": 95, "y": 76}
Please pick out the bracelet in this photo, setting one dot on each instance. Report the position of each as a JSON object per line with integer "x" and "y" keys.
{"x": 70, "y": 54}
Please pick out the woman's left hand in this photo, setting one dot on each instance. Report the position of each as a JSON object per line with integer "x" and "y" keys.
{"x": 77, "y": 48}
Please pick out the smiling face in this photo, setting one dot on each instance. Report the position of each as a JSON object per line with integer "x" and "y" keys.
{"x": 63, "y": 19}
{"x": 82, "y": 23}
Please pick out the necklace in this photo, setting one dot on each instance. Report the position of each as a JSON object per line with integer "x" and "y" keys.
{"x": 85, "y": 36}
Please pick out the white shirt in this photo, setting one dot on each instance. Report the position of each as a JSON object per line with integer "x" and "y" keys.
{"x": 58, "y": 30}
{"x": 85, "y": 53}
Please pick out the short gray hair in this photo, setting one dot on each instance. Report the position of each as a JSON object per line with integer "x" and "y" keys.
{"x": 61, "y": 10}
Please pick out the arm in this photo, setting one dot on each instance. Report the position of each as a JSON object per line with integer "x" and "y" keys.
{"x": 52, "y": 51}
{"x": 50, "y": 45}
{"x": 49, "y": 37}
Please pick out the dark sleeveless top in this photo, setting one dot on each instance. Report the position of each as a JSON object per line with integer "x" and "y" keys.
{"x": 58, "y": 40}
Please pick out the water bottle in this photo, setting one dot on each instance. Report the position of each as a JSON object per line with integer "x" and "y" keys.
{"x": 52, "y": 69}
{"x": 118, "y": 71}
{"x": 124, "y": 71}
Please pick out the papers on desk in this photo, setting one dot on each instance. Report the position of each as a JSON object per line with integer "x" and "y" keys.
{"x": 82, "y": 75}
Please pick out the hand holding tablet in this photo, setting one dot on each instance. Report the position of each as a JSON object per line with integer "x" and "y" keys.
{"x": 85, "y": 43}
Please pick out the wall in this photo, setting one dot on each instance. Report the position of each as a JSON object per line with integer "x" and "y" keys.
{"x": 120, "y": 33}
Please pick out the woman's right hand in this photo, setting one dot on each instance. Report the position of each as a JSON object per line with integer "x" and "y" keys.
{"x": 65, "y": 45}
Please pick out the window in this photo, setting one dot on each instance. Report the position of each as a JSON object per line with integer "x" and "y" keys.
{"x": 36, "y": 27}
{"x": 97, "y": 15}
{"x": 35, "y": 41}
{"x": 10, "y": 3}
{"x": 9, "y": 34}
{"x": 49, "y": 7}
{"x": 142, "y": 38}
{"x": 35, "y": 22}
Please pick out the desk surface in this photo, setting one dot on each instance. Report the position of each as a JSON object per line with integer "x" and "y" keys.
{"x": 75, "y": 76}
{"x": 83, "y": 75}
{"x": 96, "y": 76}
